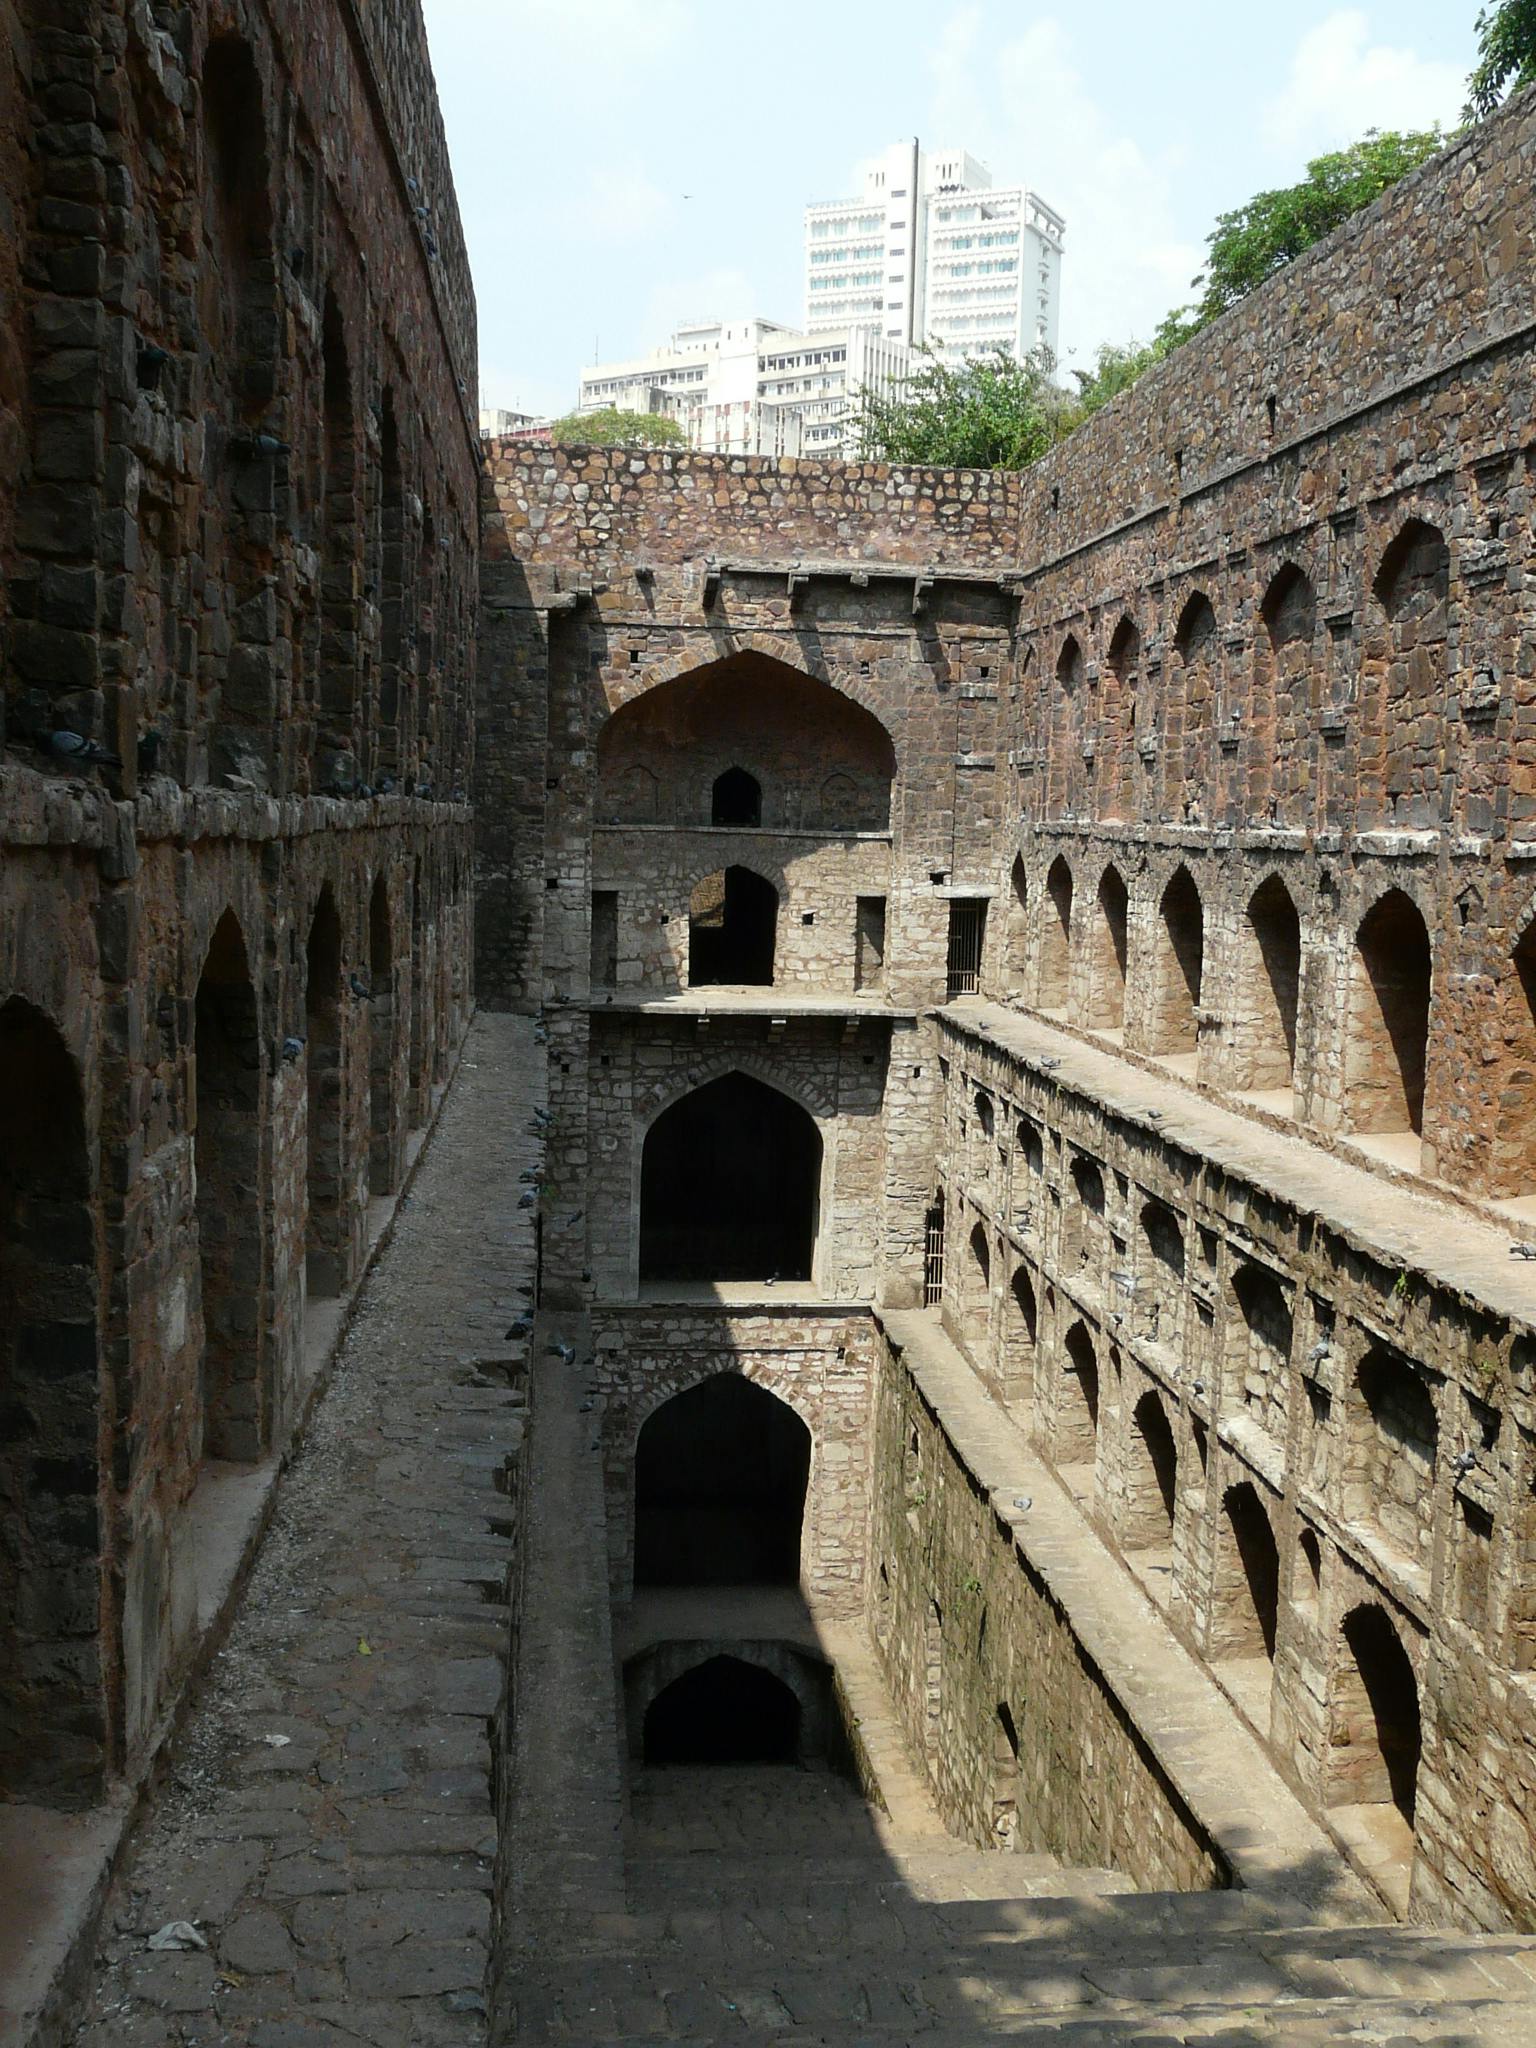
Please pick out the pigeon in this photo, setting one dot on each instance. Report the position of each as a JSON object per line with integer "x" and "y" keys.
{"x": 1320, "y": 1350}
{"x": 259, "y": 447}
{"x": 386, "y": 785}
{"x": 566, "y": 1353}
{"x": 292, "y": 1047}
{"x": 520, "y": 1327}
{"x": 149, "y": 362}
{"x": 1522, "y": 1251}
{"x": 1464, "y": 1463}
{"x": 530, "y": 1175}
{"x": 574, "y": 1218}
{"x": 1049, "y": 1066}
{"x": 360, "y": 988}
{"x": 585, "y": 1407}
{"x": 526, "y": 1289}
{"x": 1024, "y": 1501}
{"x": 542, "y": 1116}
{"x": 77, "y": 750}
{"x": 527, "y": 1199}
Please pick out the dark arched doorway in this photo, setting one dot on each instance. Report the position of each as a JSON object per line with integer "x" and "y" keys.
{"x": 720, "y": 1479}
{"x": 732, "y": 919}
{"x": 723, "y": 1711}
{"x": 227, "y": 1152}
{"x": 324, "y": 1253}
{"x": 729, "y": 1185}
{"x": 736, "y": 798}
{"x": 53, "y": 1737}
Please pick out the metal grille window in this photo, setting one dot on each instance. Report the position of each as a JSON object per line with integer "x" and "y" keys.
{"x": 967, "y": 928}
{"x": 933, "y": 1255}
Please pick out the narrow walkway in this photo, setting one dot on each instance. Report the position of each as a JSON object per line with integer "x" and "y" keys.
{"x": 1400, "y": 1226}
{"x": 328, "y": 1826}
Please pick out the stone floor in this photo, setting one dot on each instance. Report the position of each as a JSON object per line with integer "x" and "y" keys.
{"x": 327, "y": 1827}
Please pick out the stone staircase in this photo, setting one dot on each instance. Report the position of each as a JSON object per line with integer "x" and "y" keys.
{"x": 773, "y": 1905}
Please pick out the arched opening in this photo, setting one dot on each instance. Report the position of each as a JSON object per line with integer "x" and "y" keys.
{"x": 53, "y": 1734}
{"x": 324, "y": 1243}
{"x": 730, "y": 1183}
{"x": 720, "y": 1478}
{"x": 1308, "y": 1576}
{"x": 1261, "y": 1360}
{"x": 1152, "y": 1481}
{"x": 735, "y": 799}
{"x": 1023, "y": 1334}
{"x": 723, "y": 1711}
{"x": 1018, "y": 928}
{"x": 1067, "y": 768}
{"x": 418, "y": 1075}
{"x": 382, "y": 1156}
{"x": 732, "y": 919}
{"x": 1376, "y": 1736}
{"x": 1248, "y": 1615}
{"x": 395, "y": 754}
{"x": 1077, "y": 1406}
{"x": 1413, "y": 588}
{"x": 688, "y": 734}
{"x": 227, "y": 1157}
{"x": 1512, "y": 1166}
{"x": 1119, "y": 717}
{"x": 1389, "y": 1035}
{"x": 336, "y": 698}
{"x": 1082, "y": 1224}
{"x": 1106, "y": 994}
{"x": 1005, "y": 1779}
{"x": 1056, "y": 937}
{"x": 1263, "y": 1035}
{"x": 1393, "y": 1437}
{"x": 1187, "y": 705}
{"x": 1160, "y": 1279}
{"x": 976, "y": 1306}
{"x": 1279, "y": 713}
{"x": 1175, "y": 1020}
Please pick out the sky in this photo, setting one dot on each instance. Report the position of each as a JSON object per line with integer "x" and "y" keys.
{"x": 624, "y": 164}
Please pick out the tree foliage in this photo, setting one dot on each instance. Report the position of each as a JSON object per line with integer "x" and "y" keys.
{"x": 612, "y": 428}
{"x": 1506, "y": 49}
{"x": 988, "y": 412}
{"x": 1272, "y": 229}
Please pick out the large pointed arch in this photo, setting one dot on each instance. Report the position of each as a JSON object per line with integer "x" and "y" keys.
{"x": 721, "y": 1472}
{"x": 758, "y": 714}
{"x": 730, "y": 1186}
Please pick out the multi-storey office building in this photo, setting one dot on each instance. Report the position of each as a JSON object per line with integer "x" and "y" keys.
{"x": 932, "y": 252}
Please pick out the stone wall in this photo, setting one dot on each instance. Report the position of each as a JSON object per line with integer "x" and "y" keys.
{"x": 967, "y": 1633}
{"x": 239, "y": 545}
{"x": 819, "y": 1362}
{"x": 1284, "y": 1406}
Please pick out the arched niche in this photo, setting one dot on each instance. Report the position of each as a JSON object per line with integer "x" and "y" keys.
{"x": 227, "y": 1151}
{"x": 53, "y": 1718}
{"x": 688, "y": 733}
{"x": 730, "y": 1184}
{"x": 721, "y": 1472}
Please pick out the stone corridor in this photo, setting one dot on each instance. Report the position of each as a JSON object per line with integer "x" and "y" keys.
{"x": 327, "y": 1825}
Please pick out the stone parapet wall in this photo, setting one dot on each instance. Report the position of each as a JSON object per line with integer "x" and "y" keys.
{"x": 965, "y": 1628}
{"x": 1305, "y": 1356}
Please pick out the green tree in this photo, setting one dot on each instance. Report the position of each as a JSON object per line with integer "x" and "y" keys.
{"x": 611, "y": 428}
{"x": 1506, "y": 48}
{"x": 988, "y": 412}
{"x": 1116, "y": 368}
{"x": 1272, "y": 229}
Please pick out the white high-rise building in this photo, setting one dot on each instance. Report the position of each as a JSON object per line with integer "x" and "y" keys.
{"x": 754, "y": 387}
{"x": 933, "y": 252}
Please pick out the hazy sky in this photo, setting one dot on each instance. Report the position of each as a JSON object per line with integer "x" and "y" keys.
{"x": 622, "y": 164}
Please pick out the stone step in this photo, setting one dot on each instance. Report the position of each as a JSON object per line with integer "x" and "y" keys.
{"x": 1008, "y": 1969}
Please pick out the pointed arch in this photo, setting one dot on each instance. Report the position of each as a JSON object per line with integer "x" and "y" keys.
{"x": 1188, "y": 703}
{"x": 735, "y": 798}
{"x": 227, "y": 1156}
{"x": 1284, "y": 689}
{"x": 730, "y": 1185}
{"x": 721, "y": 1473}
{"x": 383, "y": 1051}
{"x": 732, "y": 927}
{"x": 1267, "y": 997}
{"x": 1412, "y": 588}
{"x": 1179, "y": 967}
{"x": 1120, "y": 720}
{"x": 54, "y": 1734}
{"x": 1387, "y": 1054}
{"x": 1076, "y": 1434}
{"x": 325, "y": 1235}
{"x": 1017, "y": 937}
{"x": 1106, "y": 987}
{"x": 1056, "y": 937}
{"x": 336, "y": 736}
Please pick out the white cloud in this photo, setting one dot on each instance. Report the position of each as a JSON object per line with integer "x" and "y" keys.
{"x": 1342, "y": 83}
{"x": 1125, "y": 263}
